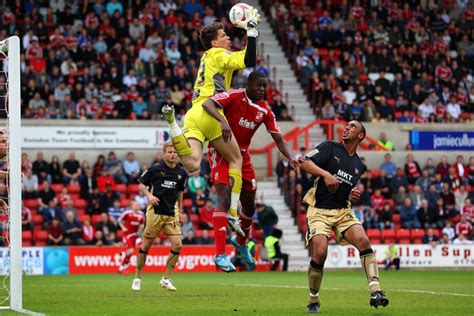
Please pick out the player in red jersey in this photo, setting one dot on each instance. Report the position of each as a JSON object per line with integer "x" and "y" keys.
{"x": 131, "y": 222}
{"x": 245, "y": 111}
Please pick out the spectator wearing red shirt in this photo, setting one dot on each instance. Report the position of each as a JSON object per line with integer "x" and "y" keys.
{"x": 103, "y": 180}
{"x": 412, "y": 169}
{"x": 443, "y": 167}
{"x": 377, "y": 200}
{"x": 55, "y": 233}
{"x": 205, "y": 215}
{"x": 468, "y": 210}
{"x": 463, "y": 227}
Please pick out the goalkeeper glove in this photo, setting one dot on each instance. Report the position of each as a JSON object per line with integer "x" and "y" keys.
{"x": 253, "y": 21}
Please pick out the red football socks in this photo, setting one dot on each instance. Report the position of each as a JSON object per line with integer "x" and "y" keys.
{"x": 219, "y": 219}
{"x": 245, "y": 224}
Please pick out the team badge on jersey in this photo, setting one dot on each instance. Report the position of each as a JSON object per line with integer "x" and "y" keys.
{"x": 259, "y": 116}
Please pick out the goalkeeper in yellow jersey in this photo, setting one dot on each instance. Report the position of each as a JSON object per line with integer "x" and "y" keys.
{"x": 214, "y": 76}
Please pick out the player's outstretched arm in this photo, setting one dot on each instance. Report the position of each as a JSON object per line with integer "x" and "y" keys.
{"x": 210, "y": 107}
{"x": 284, "y": 149}
{"x": 250, "y": 58}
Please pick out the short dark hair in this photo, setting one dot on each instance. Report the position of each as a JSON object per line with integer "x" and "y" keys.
{"x": 209, "y": 33}
{"x": 256, "y": 75}
{"x": 166, "y": 145}
{"x": 362, "y": 130}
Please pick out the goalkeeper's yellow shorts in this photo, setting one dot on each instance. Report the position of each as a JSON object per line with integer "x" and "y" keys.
{"x": 201, "y": 125}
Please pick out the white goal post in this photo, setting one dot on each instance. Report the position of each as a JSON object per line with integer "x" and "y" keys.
{"x": 10, "y": 49}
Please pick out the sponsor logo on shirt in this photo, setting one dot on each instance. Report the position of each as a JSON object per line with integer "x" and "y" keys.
{"x": 169, "y": 184}
{"x": 246, "y": 123}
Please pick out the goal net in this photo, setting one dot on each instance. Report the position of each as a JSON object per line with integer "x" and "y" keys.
{"x": 10, "y": 175}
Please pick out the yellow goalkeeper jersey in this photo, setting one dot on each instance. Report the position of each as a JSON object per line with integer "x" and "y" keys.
{"x": 215, "y": 73}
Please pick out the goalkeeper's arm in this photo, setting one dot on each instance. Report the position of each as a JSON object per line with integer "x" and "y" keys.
{"x": 250, "y": 59}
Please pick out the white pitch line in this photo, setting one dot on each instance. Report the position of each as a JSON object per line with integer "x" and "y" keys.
{"x": 341, "y": 289}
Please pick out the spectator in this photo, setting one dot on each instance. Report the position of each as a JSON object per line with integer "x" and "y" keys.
{"x": 389, "y": 166}
{"x": 190, "y": 238}
{"x": 116, "y": 210}
{"x": 105, "y": 180}
{"x": 391, "y": 257}
{"x": 237, "y": 258}
{"x": 45, "y": 196}
{"x": 114, "y": 168}
{"x": 88, "y": 184}
{"x": 106, "y": 226}
{"x": 41, "y": 168}
{"x": 88, "y": 231}
{"x": 399, "y": 180}
{"x": 460, "y": 197}
{"x": 72, "y": 230}
{"x": 107, "y": 198}
{"x": 26, "y": 222}
{"x": 272, "y": 244}
{"x": 99, "y": 239}
{"x": 463, "y": 227}
{"x": 205, "y": 215}
{"x": 445, "y": 240}
{"x": 468, "y": 210}
{"x": 427, "y": 215}
{"x": 412, "y": 169}
{"x": 385, "y": 217}
{"x": 377, "y": 201}
{"x": 399, "y": 198}
{"x": 56, "y": 171}
{"x": 424, "y": 181}
{"x": 430, "y": 238}
{"x": 443, "y": 166}
{"x": 52, "y": 211}
{"x": 30, "y": 185}
{"x": 416, "y": 196}
{"x": 71, "y": 169}
{"x": 55, "y": 233}
{"x": 187, "y": 225}
{"x": 461, "y": 240}
{"x": 196, "y": 182}
{"x": 386, "y": 143}
{"x": 409, "y": 216}
{"x": 131, "y": 168}
{"x": 205, "y": 239}
{"x": 449, "y": 230}
{"x": 267, "y": 218}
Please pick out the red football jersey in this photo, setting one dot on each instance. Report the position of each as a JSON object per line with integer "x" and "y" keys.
{"x": 132, "y": 221}
{"x": 245, "y": 116}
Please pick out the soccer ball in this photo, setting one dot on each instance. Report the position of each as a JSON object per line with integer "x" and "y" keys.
{"x": 237, "y": 14}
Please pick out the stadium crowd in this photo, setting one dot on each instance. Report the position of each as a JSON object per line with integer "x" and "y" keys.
{"x": 77, "y": 203}
{"x": 378, "y": 61}
{"x": 114, "y": 60}
{"x": 413, "y": 202}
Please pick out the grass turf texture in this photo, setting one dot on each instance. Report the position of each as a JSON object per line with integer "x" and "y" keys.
{"x": 343, "y": 293}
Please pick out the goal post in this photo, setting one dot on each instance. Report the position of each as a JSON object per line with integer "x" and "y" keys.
{"x": 10, "y": 49}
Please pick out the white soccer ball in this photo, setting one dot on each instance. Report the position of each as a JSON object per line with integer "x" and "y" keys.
{"x": 237, "y": 14}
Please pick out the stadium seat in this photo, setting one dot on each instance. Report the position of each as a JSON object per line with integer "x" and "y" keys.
{"x": 121, "y": 188}
{"x": 37, "y": 219}
{"x": 194, "y": 218}
{"x": 26, "y": 235}
{"x": 396, "y": 218}
{"x": 95, "y": 219}
{"x": 73, "y": 188}
{"x": 82, "y": 217}
{"x": 376, "y": 241}
{"x": 437, "y": 233}
{"x": 120, "y": 234}
{"x": 32, "y": 204}
{"x": 198, "y": 233}
{"x": 388, "y": 234}
{"x": 404, "y": 241}
{"x": 416, "y": 235}
{"x": 124, "y": 202}
{"x": 373, "y": 233}
{"x": 403, "y": 234}
{"x": 27, "y": 243}
{"x": 210, "y": 232}
{"x": 57, "y": 187}
{"x": 41, "y": 235}
{"x": 132, "y": 188}
{"x": 80, "y": 203}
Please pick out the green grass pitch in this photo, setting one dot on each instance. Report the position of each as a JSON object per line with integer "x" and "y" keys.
{"x": 343, "y": 293}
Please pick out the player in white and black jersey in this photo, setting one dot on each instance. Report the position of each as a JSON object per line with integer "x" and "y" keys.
{"x": 337, "y": 169}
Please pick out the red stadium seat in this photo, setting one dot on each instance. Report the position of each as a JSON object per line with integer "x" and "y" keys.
{"x": 132, "y": 188}
{"x": 375, "y": 173}
{"x": 37, "y": 219}
{"x": 41, "y": 243}
{"x": 416, "y": 235}
{"x": 403, "y": 234}
{"x": 57, "y": 187}
{"x": 26, "y": 235}
{"x": 198, "y": 233}
{"x": 124, "y": 202}
{"x": 437, "y": 233}
{"x": 210, "y": 233}
{"x": 121, "y": 188}
{"x": 27, "y": 243}
{"x": 396, "y": 218}
{"x": 194, "y": 218}
{"x": 404, "y": 242}
{"x": 388, "y": 234}
{"x": 95, "y": 219}
{"x": 373, "y": 233}
{"x": 32, "y": 204}
{"x": 82, "y": 217}
{"x": 73, "y": 188}
{"x": 80, "y": 203}
{"x": 376, "y": 241}
{"x": 41, "y": 235}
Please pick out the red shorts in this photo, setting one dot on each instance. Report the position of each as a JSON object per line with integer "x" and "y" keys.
{"x": 220, "y": 170}
{"x": 130, "y": 240}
